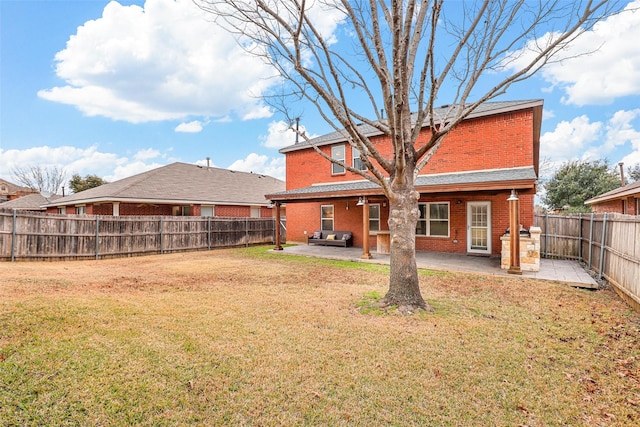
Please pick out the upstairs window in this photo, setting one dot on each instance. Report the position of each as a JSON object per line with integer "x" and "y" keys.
{"x": 337, "y": 153}
{"x": 434, "y": 220}
{"x": 357, "y": 162}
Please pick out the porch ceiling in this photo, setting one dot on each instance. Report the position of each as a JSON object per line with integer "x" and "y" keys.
{"x": 520, "y": 178}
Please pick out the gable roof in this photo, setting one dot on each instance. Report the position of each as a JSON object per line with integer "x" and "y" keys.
{"x": 182, "y": 183}
{"x": 30, "y": 202}
{"x": 7, "y": 187}
{"x": 488, "y": 179}
{"x": 485, "y": 109}
{"x": 618, "y": 193}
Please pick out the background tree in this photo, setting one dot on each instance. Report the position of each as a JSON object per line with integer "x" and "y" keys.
{"x": 401, "y": 57}
{"x": 633, "y": 173}
{"x": 578, "y": 181}
{"x": 78, "y": 184}
{"x": 40, "y": 178}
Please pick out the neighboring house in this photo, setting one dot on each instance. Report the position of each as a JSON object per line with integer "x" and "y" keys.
{"x": 11, "y": 191}
{"x": 178, "y": 189}
{"x": 624, "y": 200}
{"x": 463, "y": 189}
{"x": 30, "y": 202}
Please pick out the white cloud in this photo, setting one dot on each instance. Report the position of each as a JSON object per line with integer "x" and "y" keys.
{"x": 280, "y": 135}
{"x": 569, "y": 138}
{"x": 83, "y": 161}
{"x": 165, "y": 61}
{"x": 256, "y": 163}
{"x": 609, "y": 70}
{"x": 149, "y": 153}
{"x": 194, "y": 126}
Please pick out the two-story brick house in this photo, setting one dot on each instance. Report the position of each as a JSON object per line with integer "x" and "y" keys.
{"x": 463, "y": 188}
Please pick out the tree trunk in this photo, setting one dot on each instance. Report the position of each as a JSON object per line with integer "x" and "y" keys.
{"x": 404, "y": 288}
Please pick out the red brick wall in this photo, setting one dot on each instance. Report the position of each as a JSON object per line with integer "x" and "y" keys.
{"x": 232, "y": 211}
{"x": 501, "y": 141}
{"x": 164, "y": 210}
{"x": 616, "y": 206}
{"x": 305, "y": 217}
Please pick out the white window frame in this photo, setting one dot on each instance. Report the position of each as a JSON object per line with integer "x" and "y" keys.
{"x": 356, "y": 161}
{"x": 427, "y": 220}
{"x": 81, "y": 210}
{"x": 374, "y": 219}
{"x": 207, "y": 207}
{"x": 323, "y": 218}
{"x": 337, "y": 169}
{"x": 256, "y": 211}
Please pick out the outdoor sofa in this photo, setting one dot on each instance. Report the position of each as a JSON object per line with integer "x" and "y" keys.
{"x": 331, "y": 238}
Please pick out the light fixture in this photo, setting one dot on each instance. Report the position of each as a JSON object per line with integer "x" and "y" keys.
{"x": 513, "y": 196}
{"x": 361, "y": 201}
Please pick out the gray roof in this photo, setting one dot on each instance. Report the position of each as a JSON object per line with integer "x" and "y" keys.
{"x": 485, "y": 109}
{"x": 626, "y": 191}
{"x": 30, "y": 202}
{"x": 423, "y": 183}
{"x": 183, "y": 183}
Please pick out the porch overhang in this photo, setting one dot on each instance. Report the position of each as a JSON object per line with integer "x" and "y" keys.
{"x": 519, "y": 178}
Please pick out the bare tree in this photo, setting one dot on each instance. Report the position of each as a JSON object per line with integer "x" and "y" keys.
{"x": 43, "y": 179}
{"x": 405, "y": 55}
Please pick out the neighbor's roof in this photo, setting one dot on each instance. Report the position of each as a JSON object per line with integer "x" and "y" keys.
{"x": 618, "y": 193}
{"x": 521, "y": 178}
{"x": 486, "y": 109}
{"x": 182, "y": 183}
{"x": 11, "y": 188}
{"x": 30, "y": 202}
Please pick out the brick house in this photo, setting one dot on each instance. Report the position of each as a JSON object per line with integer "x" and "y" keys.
{"x": 624, "y": 200}
{"x": 463, "y": 188}
{"x": 177, "y": 189}
{"x": 10, "y": 191}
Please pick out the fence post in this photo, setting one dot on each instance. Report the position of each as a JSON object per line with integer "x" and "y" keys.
{"x": 246, "y": 232}
{"x": 13, "y": 236}
{"x": 590, "y": 239}
{"x": 97, "y": 236}
{"x": 604, "y": 236}
{"x": 580, "y": 237}
{"x": 160, "y": 230}
{"x": 209, "y": 233}
{"x": 546, "y": 235}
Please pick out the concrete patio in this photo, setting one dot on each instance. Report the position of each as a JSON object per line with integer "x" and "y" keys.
{"x": 570, "y": 272}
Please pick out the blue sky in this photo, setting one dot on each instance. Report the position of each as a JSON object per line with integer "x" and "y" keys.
{"x": 117, "y": 88}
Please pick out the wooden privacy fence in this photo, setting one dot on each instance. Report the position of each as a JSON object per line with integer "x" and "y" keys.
{"x": 38, "y": 236}
{"x": 608, "y": 243}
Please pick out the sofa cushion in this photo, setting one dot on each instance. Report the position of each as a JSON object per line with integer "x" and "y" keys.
{"x": 317, "y": 235}
{"x": 331, "y": 237}
{"x": 346, "y": 236}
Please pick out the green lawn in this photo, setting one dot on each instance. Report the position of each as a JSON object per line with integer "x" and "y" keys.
{"x": 242, "y": 337}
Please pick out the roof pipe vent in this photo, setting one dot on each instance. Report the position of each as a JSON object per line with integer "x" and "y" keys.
{"x": 621, "y": 164}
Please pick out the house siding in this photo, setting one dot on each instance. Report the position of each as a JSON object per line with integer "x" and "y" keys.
{"x": 494, "y": 142}
{"x": 616, "y": 206}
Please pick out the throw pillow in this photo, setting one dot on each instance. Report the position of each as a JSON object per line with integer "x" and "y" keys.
{"x": 317, "y": 235}
{"x": 331, "y": 237}
{"x": 346, "y": 236}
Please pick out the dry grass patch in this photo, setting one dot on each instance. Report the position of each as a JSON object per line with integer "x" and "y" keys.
{"x": 245, "y": 337}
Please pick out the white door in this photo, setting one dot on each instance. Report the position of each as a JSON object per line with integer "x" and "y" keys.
{"x": 479, "y": 227}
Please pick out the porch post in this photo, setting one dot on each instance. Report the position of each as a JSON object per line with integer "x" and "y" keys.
{"x": 514, "y": 233}
{"x": 366, "y": 254}
{"x": 278, "y": 246}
